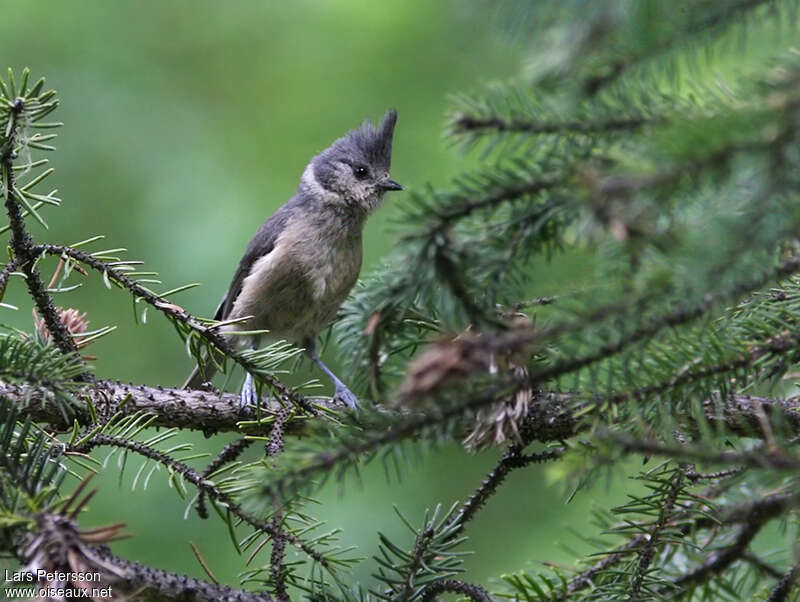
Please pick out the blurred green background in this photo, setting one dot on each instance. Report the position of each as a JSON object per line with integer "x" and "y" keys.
{"x": 186, "y": 125}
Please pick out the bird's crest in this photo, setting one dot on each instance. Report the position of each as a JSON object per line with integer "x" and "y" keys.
{"x": 374, "y": 143}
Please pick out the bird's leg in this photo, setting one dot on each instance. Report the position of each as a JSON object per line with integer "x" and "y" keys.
{"x": 342, "y": 393}
{"x": 249, "y": 396}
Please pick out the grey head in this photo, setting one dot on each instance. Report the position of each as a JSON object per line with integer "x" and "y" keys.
{"x": 354, "y": 170}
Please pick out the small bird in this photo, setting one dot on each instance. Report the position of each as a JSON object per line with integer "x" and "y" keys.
{"x": 302, "y": 262}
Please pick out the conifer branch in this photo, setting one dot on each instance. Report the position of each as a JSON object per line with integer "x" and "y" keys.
{"x": 448, "y": 215}
{"x": 712, "y": 22}
{"x": 196, "y": 479}
{"x": 762, "y": 565}
{"x": 22, "y": 244}
{"x": 512, "y": 459}
{"x": 12, "y": 266}
{"x": 208, "y": 411}
{"x": 59, "y": 546}
{"x": 682, "y": 315}
{"x": 174, "y": 313}
{"x": 716, "y": 562}
{"x": 760, "y": 457}
{"x": 228, "y": 454}
{"x": 473, "y": 124}
{"x": 158, "y": 584}
{"x": 785, "y": 586}
{"x": 474, "y": 592}
{"x": 277, "y": 571}
{"x": 647, "y": 553}
{"x": 687, "y": 520}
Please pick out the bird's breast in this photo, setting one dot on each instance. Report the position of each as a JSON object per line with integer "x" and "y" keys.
{"x": 296, "y": 289}
{"x": 334, "y": 270}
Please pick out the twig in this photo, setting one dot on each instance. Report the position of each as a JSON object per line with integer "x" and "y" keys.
{"x": 470, "y": 124}
{"x": 474, "y": 592}
{"x": 647, "y": 552}
{"x": 511, "y": 460}
{"x": 719, "y": 561}
{"x": 22, "y": 243}
{"x": 175, "y": 313}
{"x": 276, "y": 568}
{"x": 275, "y": 443}
{"x": 785, "y": 586}
{"x": 686, "y": 521}
{"x": 758, "y": 458}
{"x": 12, "y": 266}
{"x": 762, "y": 565}
{"x": 196, "y": 479}
{"x": 228, "y": 454}
{"x": 160, "y": 584}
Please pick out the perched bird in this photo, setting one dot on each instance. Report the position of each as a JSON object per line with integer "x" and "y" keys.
{"x": 303, "y": 261}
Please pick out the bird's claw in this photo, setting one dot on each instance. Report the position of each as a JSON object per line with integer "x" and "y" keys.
{"x": 346, "y": 396}
{"x": 248, "y": 396}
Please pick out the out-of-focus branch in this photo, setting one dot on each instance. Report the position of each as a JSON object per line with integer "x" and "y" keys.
{"x": 58, "y": 545}
{"x": 453, "y": 586}
{"x": 687, "y": 521}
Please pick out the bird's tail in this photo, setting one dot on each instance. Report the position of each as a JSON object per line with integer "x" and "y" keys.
{"x": 200, "y": 375}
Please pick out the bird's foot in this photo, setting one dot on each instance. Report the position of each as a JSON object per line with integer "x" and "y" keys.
{"x": 249, "y": 396}
{"x": 346, "y": 396}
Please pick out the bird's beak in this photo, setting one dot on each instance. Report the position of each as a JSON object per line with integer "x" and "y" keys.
{"x": 388, "y": 184}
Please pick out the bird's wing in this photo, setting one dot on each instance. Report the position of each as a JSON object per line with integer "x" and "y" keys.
{"x": 262, "y": 243}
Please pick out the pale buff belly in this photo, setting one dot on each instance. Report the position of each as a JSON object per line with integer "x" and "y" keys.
{"x": 295, "y": 299}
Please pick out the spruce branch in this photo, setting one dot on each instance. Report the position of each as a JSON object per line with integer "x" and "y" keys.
{"x": 648, "y": 551}
{"x": 228, "y": 454}
{"x": 21, "y": 241}
{"x": 202, "y": 483}
{"x": 207, "y": 411}
{"x": 57, "y": 545}
{"x": 709, "y": 24}
{"x": 718, "y": 561}
{"x": 682, "y": 315}
{"x": 277, "y": 571}
{"x": 162, "y": 585}
{"x": 785, "y": 585}
{"x": 459, "y": 209}
{"x": 474, "y": 592}
{"x": 689, "y": 519}
{"x": 11, "y": 266}
{"x": 760, "y": 457}
{"x": 463, "y": 123}
{"x": 175, "y": 314}
{"x": 694, "y": 476}
{"x": 429, "y": 559}
{"x": 762, "y": 565}
{"x": 545, "y": 422}
{"x": 512, "y": 459}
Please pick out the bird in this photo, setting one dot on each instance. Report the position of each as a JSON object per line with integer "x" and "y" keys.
{"x": 303, "y": 261}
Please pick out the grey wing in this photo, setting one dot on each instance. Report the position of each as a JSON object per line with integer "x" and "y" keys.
{"x": 261, "y": 244}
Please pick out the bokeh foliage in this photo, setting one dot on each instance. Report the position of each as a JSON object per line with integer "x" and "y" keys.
{"x": 656, "y": 147}
{"x": 187, "y": 124}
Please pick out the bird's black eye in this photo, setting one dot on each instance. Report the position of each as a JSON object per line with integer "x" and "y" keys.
{"x": 360, "y": 172}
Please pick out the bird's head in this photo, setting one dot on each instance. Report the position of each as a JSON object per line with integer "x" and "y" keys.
{"x": 355, "y": 168}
